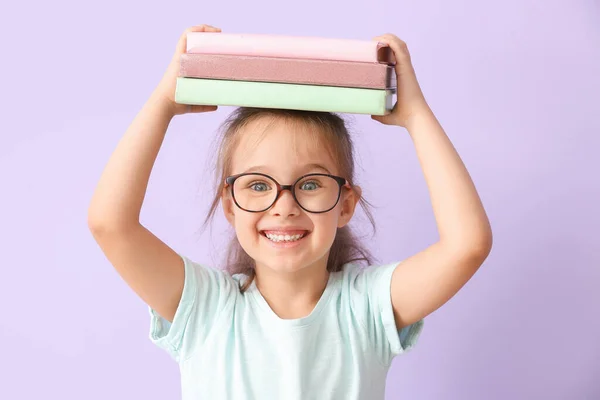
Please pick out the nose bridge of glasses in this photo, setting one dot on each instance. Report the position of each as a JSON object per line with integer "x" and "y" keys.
{"x": 282, "y": 189}
{"x": 286, "y": 187}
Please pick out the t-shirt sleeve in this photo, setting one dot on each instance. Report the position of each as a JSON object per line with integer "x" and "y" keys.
{"x": 208, "y": 294}
{"x": 372, "y": 295}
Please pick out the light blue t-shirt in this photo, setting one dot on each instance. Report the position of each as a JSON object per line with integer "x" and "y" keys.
{"x": 231, "y": 345}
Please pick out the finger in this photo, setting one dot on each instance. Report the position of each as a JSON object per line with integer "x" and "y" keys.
{"x": 394, "y": 43}
{"x": 182, "y": 44}
{"x": 201, "y": 109}
{"x": 398, "y": 46}
{"x": 197, "y": 28}
{"x": 387, "y": 37}
{"x": 203, "y": 28}
{"x": 391, "y": 40}
{"x": 380, "y": 118}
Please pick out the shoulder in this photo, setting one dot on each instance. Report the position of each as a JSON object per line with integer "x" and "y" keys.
{"x": 367, "y": 288}
{"x": 205, "y": 277}
{"x": 356, "y": 275}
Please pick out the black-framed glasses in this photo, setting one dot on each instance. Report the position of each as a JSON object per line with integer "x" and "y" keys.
{"x": 257, "y": 192}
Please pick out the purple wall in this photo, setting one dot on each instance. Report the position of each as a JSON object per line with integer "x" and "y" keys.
{"x": 516, "y": 85}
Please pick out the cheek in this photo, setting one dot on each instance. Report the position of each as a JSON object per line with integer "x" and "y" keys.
{"x": 325, "y": 225}
{"x": 245, "y": 226}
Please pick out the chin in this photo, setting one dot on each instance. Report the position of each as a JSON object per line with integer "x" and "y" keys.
{"x": 285, "y": 257}
{"x": 285, "y": 262}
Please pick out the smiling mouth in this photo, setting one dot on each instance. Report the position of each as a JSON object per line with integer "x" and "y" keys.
{"x": 284, "y": 238}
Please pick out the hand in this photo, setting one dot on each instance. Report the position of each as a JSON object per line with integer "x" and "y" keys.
{"x": 410, "y": 100}
{"x": 166, "y": 88}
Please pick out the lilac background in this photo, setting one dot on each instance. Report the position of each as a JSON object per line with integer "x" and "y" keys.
{"x": 515, "y": 84}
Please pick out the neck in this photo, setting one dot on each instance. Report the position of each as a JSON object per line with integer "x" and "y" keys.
{"x": 292, "y": 295}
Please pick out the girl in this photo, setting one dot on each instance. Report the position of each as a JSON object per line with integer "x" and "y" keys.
{"x": 294, "y": 317}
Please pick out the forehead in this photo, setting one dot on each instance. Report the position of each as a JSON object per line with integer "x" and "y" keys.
{"x": 282, "y": 148}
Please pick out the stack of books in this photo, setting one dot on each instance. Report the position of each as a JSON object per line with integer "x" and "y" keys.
{"x": 287, "y": 72}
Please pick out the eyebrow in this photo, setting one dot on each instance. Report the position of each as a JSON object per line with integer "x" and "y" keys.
{"x": 307, "y": 167}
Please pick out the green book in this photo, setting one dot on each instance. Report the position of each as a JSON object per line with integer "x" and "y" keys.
{"x": 217, "y": 92}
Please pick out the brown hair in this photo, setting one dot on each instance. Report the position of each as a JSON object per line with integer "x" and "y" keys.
{"x": 326, "y": 127}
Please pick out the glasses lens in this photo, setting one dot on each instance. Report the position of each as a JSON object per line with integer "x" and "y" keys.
{"x": 254, "y": 192}
{"x": 317, "y": 193}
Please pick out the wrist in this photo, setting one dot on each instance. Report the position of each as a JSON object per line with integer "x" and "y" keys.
{"x": 163, "y": 104}
{"x": 422, "y": 113}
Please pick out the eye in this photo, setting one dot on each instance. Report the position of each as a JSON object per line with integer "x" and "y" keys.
{"x": 310, "y": 185}
{"x": 259, "y": 186}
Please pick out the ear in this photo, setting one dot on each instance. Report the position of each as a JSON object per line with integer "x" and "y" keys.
{"x": 227, "y": 204}
{"x": 349, "y": 200}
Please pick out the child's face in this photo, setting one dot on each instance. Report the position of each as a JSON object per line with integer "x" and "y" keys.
{"x": 285, "y": 153}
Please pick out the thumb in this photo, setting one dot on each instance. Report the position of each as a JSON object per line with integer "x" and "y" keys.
{"x": 194, "y": 109}
{"x": 384, "y": 119}
{"x": 200, "y": 108}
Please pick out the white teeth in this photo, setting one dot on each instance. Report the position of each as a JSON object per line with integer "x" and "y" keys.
{"x": 284, "y": 238}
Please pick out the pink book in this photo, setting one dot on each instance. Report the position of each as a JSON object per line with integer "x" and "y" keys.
{"x": 281, "y": 46}
{"x": 288, "y": 70}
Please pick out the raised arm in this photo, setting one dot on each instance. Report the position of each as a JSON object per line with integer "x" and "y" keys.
{"x": 424, "y": 282}
{"x": 152, "y": 269}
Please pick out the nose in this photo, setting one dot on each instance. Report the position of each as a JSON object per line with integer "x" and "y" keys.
{"x": 285, "y": 204}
